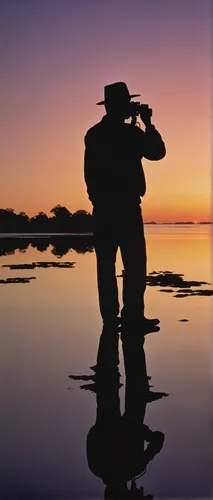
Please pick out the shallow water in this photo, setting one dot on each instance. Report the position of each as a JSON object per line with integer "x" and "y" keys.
{"x": 50, "y": 328}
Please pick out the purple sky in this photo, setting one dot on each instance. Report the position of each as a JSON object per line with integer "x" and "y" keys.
{"x": 56, "y": 57}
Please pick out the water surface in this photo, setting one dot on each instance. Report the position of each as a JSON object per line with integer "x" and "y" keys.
{"x": 50, "y": 328}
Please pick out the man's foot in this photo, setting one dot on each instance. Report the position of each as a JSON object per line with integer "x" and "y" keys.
{"x": 142, "y": 320}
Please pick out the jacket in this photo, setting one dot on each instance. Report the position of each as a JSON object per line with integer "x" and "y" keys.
{"x": 113, "y": 170}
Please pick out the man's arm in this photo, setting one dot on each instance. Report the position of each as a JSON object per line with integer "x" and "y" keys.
{"x": 154, "y": 147}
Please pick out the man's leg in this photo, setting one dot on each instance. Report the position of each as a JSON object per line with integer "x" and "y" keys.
{"x": 106, "y": 246}
{"x": 133, "y": 252}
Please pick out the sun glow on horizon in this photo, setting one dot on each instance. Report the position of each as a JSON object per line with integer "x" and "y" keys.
{"x": 51, "y": 89}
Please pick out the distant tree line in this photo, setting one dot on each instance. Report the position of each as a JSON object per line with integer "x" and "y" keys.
{"x": 61, "y": 221}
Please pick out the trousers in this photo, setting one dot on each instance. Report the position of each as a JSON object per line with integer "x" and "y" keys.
{"x": 114, "y": 227}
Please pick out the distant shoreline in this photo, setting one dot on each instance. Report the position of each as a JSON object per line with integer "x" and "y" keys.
{"x": 41, "y": 235}
{"x": 179, "y": 223}
{"x": 49, "y": 235}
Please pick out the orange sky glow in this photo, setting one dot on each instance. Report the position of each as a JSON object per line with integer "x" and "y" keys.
{"x": 51, "y": 82}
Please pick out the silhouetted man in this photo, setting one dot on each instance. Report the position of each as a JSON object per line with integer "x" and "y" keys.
{"x": 115, "y": 184}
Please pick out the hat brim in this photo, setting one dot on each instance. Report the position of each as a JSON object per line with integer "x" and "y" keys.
{"x": 104, "y": 102}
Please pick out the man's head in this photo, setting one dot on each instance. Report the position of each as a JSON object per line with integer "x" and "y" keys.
{"x": 117, "y": 100}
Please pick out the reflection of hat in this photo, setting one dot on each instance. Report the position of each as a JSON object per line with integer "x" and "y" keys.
{"x": 116, "y": 92}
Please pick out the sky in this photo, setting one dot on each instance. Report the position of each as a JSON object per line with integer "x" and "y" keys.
{"x": 56, "y": 58}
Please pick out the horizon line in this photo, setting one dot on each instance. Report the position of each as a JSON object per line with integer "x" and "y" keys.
{"x": 83, "y": 210}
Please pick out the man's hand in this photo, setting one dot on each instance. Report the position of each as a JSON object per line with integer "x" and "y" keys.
{"x": 145, "y": 114}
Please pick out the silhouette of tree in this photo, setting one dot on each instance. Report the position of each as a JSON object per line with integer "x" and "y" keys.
{"x": 22, "y": 222}
{"x": 7, "y": 220}
{"x": 12, "y": 222}
{"x": 60, "y": 211}
{"x": 82, "y": 221}
{"x": 61, "y": 222}
{"x": 39, "y": 223}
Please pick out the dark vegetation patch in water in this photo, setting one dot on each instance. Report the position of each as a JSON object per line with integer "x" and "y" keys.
{"x": 169, "y": 280}
{"x": 204, "y": 293}
{"x": 17, "y": 280}
{"x": 45, "y": 265}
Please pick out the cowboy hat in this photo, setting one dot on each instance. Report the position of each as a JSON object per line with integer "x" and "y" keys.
{"x": 116, "y": 92}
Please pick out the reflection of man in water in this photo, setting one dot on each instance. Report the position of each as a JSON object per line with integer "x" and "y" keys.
{"x": 115, "y": 183}
{"x": 120, "y": 447}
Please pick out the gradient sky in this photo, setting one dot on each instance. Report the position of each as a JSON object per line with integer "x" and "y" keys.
{"x": 56, "y": 57}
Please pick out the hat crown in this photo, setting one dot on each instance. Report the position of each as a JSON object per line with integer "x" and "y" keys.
{"x": 116, "y": 91}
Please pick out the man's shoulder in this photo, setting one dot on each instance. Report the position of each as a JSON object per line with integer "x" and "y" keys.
{"x": 93, "y": 131}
